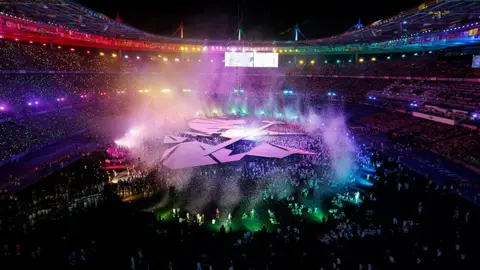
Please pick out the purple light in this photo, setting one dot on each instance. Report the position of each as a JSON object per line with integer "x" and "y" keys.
{"x": 29, "y": 103}
{"x": 58, "y": 99}
{"x": 2, "y": 108}
{"x": 62, "y": 99}
{"x": 36, "y": 102}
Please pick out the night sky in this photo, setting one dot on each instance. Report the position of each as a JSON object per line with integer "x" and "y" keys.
{"x": 217, "y": 19}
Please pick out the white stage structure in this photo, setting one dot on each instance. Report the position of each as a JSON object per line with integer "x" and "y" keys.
{"x": 194, "y": 153}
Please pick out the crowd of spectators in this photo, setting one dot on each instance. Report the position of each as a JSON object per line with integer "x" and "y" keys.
{"x": 74, "y": 219}
{"x": 27, "y": 55}
{"x": 457, "y": 143}
{"x": 28, "y": 79}
{"x": 418, "y": 66}
{"x": 404, "y": 221}
{"x": 34, "y": 131}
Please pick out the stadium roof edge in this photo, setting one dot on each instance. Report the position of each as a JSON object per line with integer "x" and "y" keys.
{"x": 423, "y": 21}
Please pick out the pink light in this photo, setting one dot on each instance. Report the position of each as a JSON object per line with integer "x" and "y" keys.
{"x": 72, "y": 49}
{"x": 62, "y": 99}
{"x": 31, "y": 42}
{"x": 88, "y": 52}
{"x": 2, "y": 108}
{"x": 44, "y": 44}
{"x": 36, "y": 102}
{"x": 16, "y": 39}
{"x": 29, "y": 103}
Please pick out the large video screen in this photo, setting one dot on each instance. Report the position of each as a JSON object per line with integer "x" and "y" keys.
{"x": 476, "y": 61}
{"x": 239, "y": 59}
{"x": 265, "y": 60}
{"x": 250, "y": 59}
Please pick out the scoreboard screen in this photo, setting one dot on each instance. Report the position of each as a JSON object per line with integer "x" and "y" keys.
{"x": 251, "y": 59}
{"x": 239, "y": 59}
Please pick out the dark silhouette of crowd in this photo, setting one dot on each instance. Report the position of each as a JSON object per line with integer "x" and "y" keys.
{"x": 76, "y": 219}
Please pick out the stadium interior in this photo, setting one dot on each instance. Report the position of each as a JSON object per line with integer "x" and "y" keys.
{"x": 124, "y": 149}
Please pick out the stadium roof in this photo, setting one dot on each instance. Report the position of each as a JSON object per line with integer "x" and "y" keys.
{"x": 428, "y": 18}
{"x": 77, "y": 17}
{"x": 432, "y": 16}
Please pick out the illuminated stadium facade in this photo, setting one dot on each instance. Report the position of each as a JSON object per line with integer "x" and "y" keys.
{"x": 433, "y": 25}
